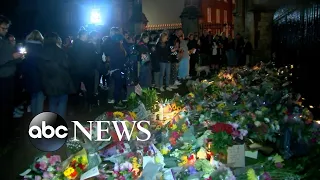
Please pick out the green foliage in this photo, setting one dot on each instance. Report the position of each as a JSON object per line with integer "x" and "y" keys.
{"x": 149, "y": 98}
{"x": 220, "y": 142}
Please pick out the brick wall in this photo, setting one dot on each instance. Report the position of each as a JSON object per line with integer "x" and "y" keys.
{"x": 217, "y": 12}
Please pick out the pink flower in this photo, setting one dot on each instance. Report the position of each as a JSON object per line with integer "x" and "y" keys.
{"x": 126, "y": 166}
{"x": 43, "y": 166}
{"x": 47, "y": 175}
{"x": 279, "y": 165}
{"x": 54, "y": 159}
{"x": 37, "y": 178}
{"x": 129, "y": 155}
{"x": 129, "y": 118}
{"x": 175, "y": 134}
{"x": 236, "y": 133}
{"x": 59, "y": 168}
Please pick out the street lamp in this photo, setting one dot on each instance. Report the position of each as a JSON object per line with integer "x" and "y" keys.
{"x": 95, "y": 17}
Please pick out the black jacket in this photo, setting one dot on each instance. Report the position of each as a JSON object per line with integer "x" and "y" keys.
{"x": 7, "y": 63}
{"x": 30, "y": 67}
{"x": 54, "y": 72}
{"x": 163, "y": 52}
{"x": 83, "y": 57}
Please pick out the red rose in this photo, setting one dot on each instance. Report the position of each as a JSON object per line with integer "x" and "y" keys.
{"x": 191, "y": 157}
{"x": 110, "y": 114}
{"x": 37, "y": 166}
{"x": 81, "y": 166}
{"x": 222, "y": 127}
{"x": 121, "y": 150}
{"x": 145, "y": 149}
{"x": 48, "y": 155}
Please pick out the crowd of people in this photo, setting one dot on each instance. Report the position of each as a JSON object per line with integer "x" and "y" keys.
{"x": 43, "y": 67}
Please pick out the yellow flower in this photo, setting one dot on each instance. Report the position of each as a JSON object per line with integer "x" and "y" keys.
{"x": 199, "y": 108}
{"x": 118, "y": 114}
{"x": 68, "y": 171}
{"x": 251, "y": 175}
{"x": 157, "y": 159}
{"x": 184, "y": 127}
{"x": 135, "y": 134}
{"x": 221, "y": 106}
{"x": 174, "y": 127}
{"x": 191, "y": 95}
{"x": 133, "y": 115}
{"x": 174, "y": 107}
{"x": 184, "y": 159}
{"x": 164, "y": 151}
{"x": 277, "y": 159}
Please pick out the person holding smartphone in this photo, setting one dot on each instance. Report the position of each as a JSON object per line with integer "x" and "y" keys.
{"x": 9, "y": 58}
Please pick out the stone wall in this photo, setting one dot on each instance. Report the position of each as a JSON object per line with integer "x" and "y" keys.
{"x": 256, "y": 25}
{"x": 265, "y": 32}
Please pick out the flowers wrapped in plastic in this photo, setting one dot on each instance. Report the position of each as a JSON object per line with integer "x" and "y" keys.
{"x": 44, "y": 167}
{"x": 75, "y": 165}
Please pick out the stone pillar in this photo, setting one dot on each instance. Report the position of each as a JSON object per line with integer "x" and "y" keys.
{"x": 239, "y": 17}
{"x": 249, "y": 30}
{"x": 190, "y": 17}
{"x": 138, "y": 19}
{"x": 265, "y": 32}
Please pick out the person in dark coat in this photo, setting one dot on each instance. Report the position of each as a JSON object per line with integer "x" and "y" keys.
{"x": 9, "y": 58}
{"x": 239, "y": 43}
{"x": 194, "y": 59}
{"x": 118, "y": 56}
{"x": 54, "y": 71}
{"x": 145, "y": 74}
{"x": 83, "y": 65}
{"x": 247, "y": 51}
{"x": 30, "y": 71}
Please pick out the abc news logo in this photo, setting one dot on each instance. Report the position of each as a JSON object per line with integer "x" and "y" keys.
{"x": 49, "y": 131}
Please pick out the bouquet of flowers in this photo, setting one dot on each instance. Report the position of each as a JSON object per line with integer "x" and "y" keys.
{"x": 44, "y": 168}
{"x": 75, "y": 165}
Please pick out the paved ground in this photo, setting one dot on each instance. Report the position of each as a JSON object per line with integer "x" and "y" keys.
{"x": 21, "y": 153}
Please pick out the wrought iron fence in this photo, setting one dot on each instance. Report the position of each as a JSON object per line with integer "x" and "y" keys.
{"x": 296, "y": 40}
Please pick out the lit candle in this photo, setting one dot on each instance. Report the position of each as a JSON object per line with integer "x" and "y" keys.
{"x": 161, "y": 112}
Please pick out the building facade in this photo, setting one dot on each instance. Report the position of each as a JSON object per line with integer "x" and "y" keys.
{"x": 217, "y": 16}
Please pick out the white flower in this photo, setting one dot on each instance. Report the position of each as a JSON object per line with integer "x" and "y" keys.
{"x": 50, "y": 169}
{"x": 258, "y": 112}
{"x": 257, "y": 123}
{"x": 267, "y": 120}
{"x": 272, "y": 127}
{"x": 242, "y": 118}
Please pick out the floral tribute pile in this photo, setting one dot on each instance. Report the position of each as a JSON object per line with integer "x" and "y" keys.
{"x": 200, "y": 135}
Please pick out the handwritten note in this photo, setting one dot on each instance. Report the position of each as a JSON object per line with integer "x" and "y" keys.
{"x": 138, "y": 90}
{"x": 236, "y": 156}
{"x": 251, "y": 154}
{"x": 141, "y": 112}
